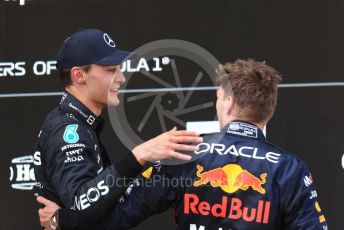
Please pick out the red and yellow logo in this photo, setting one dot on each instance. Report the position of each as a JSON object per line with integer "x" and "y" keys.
{"x": 230, "y": 178}
{"x": 231, "y": 208}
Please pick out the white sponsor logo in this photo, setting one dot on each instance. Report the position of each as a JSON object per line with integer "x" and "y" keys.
{"x": 77, "y": 145}
{"x": 234, "y": 126}
{"x": 108, "y": 40}
{"x": 100, "y": 170}
{"x": 92, "y": 195}
{"x": 313, "y": 194}
{"x": 308, "y": 180}
{"x": 90, "y": 120}
{"x": 71, "y": 116}
{"x": 98, "y": 158}
{"x": 244, "y": 151}
{"x": 73, "y": 152}
{"x": 64, "y": 96}
{"x": 121, "y": 199}
{"x": 22, "y": 173}
{"x": 136, "y": 183}
{"x": 243, "y": 129}
{"x": 157, "y": 165}
{"x": 74, "y": 159}
{"x": 77, "y": 109}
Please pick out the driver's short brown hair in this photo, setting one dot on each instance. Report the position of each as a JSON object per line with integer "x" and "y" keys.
{"x": 253, "y": 86}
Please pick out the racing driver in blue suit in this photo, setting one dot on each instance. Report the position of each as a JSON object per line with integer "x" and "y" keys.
{"x": 236, "y": 180}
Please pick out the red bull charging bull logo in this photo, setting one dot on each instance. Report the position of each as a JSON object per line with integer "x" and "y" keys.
{"x": 230, "y": 178}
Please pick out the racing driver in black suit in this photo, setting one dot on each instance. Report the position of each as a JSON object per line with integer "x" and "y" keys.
{"x": 72, "y": 167}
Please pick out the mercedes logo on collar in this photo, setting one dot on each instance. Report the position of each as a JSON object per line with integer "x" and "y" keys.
{"x": 109, "y": 40}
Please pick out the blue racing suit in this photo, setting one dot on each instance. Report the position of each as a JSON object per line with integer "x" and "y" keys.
{"x": 237, "y": 180}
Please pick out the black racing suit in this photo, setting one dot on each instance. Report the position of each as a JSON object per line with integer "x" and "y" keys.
{"x": 73, "y": 168}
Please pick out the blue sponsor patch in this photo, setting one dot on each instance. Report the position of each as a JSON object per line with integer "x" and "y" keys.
{"x": 70, "y": 135}
{"x": 242, "y": 129}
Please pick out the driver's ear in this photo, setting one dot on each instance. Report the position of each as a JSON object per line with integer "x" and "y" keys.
{"x": 78, "y": 75}
{"x": 229, "y": 104}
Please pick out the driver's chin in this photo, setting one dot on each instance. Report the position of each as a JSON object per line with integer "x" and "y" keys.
{"x": 113, "y": 101}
